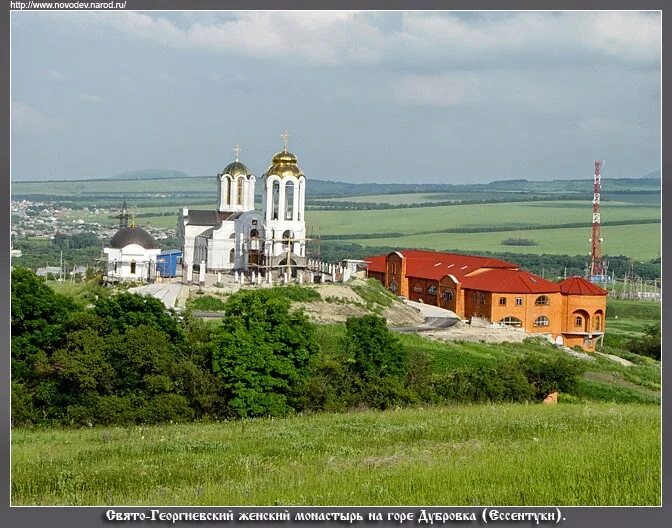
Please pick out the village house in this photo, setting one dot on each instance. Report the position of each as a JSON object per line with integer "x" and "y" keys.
{"x": 571, "y": 312}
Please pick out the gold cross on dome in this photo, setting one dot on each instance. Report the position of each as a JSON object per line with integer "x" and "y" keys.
{"x": 236, "y": 149}
{"x": 285, "y": 137}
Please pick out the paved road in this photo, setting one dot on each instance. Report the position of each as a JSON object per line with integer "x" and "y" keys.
{"x": 165, "y": 292}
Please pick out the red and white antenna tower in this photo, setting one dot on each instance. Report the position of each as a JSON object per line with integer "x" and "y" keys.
{"x": 596, "y": 261}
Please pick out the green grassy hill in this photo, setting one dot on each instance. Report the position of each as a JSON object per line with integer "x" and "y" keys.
{"x": 597, "y": 454}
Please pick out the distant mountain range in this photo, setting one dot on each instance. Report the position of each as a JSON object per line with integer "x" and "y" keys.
{"x": 651, "y": 183}
{"x": 149, "y": 174}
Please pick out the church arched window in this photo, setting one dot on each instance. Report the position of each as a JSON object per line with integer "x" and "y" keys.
{"x": 287, "y": 239}
{"x": 230, "y": 192}
{"x": 275, "y": 200}
{"x": 289, "y": 200}
{"x": 229, "y": 183}
{"x": 301, "y": 189}
{"x": 232, "y": 256}
{"x": 241, "y": 186}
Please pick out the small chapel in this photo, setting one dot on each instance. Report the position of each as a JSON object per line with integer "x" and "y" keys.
{"x": 131, "y": 253}
{"x": 237, "y": 238}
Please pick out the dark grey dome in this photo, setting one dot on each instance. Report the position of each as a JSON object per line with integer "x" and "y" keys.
{"x": 133, "y": 235}
{"x": 236, "y": 169}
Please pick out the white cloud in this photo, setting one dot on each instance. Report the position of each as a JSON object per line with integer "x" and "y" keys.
{"x": 629, "y": 36}
{"x": 88, "y": 98}
{"x": 53, "y": 75}
{"x": 333, "y": 37}
{"x": 313, "y": 36}
{"x": 25, "y": 118}
{"x": 437, "y": 90}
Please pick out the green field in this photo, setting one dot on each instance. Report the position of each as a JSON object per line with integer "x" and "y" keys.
{"x": 513, "y": 215}
{"x": 597, "y": 454}
{"x": 76, "y": 188}
{"x": 638, "y": 241}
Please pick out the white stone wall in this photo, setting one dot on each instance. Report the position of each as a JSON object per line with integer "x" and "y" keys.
{"x": 119, "y": 262}
{"x": 228, "y": 193}
{"x": 275, "y": 228}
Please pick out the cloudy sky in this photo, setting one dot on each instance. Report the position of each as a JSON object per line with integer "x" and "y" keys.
{"x": 436, "y": 97}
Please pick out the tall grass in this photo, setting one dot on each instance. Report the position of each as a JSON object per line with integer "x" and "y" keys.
{"x": 597, "y": 454}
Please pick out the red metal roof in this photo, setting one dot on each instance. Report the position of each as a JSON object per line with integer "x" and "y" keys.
{"x": 376, "y": 263}
{"x": 579, "y": 286}
{"x": 434, "y": 265}
{"x": 509, "y": 281}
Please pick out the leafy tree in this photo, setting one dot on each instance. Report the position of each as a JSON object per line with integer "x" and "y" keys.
{"x": 132, "y": 310}
{"x": 261, "y": 353}
{"x": 38, "y": 315}
{"x": 378, "y": 361}
{"x": 376, "y": 352}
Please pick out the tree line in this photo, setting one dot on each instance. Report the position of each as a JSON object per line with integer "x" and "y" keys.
{"x": 106, "y": 358}
{"x": 550, "y": 266}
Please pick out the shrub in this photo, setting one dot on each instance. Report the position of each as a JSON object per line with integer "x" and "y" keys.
{"x": 166, "y": 407}
{"x": 530, "y": 377}
{"x": 22, "y": 405}
{"x": 297, "y": 293}
{"x": 207, "y": 304}
{"x": 518, "y": 242}
{"x": 558, "y": 373}
{"x": 648, "y": 345}
{"x": 374, "y": 293}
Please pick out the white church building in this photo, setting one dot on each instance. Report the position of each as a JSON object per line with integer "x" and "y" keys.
{"x": 235, "y": 237}
{"x": 131, "y": 255}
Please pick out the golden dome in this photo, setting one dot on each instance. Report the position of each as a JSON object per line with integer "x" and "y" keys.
{"x": 284, "y": 164}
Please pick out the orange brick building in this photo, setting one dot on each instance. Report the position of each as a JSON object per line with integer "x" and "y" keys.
{"x": 572, "y": 312}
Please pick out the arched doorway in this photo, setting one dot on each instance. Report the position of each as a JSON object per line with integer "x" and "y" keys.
{"x": 580, "y": 321}
{"x": 292, "y": 266}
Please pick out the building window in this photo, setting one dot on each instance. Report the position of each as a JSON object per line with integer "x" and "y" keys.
{"x": 473, "y": 298}
{"x": 394, "y": 268}
{"x": 578, "y": 321}
{"x": 598, "y": 323}
{"x": 289, "y": 201}
{"x": 502, "y": 301}
{"x": 133, "y": 268}
{"x": 240, "y": 191}
{"x": 511, "y": 321}
{"x": 448, "y": 296}
{"x": 275, "y": 199}
{"x": 482, "y": 298}
{"x": 287, "y": 237}
{"x": 519, "y": 301}
{"x": 232, "y": 256}
{"x": 431, "y": 290}
{"x": 541, "y": 321}
{"x": 542, "y": 300}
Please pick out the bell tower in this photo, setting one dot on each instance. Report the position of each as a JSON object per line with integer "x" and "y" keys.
{"x": 236, "y": 187}
{"x": 283, "y": 207}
